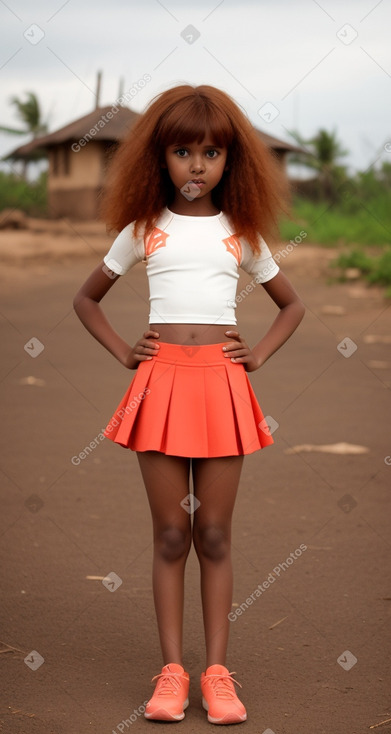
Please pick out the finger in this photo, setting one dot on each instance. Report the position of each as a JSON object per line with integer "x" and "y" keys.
{"x": 147, "y": 341}
{"x": 143, "y": 357}
{"x": 145, "y": 350}
{"x": 151, "y": 334}
{"x": 237, "y": 354}
{"x": 148, "y": 347}
{"x": 232, "y": 346}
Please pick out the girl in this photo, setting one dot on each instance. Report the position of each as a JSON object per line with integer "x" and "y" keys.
{"x": 192, "y": 192}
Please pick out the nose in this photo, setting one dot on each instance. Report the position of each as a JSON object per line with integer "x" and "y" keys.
{"x": 196, "y": 165}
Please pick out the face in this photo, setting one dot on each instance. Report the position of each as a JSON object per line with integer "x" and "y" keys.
{"x": 203, "y": 163}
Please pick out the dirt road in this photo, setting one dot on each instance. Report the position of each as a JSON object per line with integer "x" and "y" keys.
{"x": 311, "y": 527}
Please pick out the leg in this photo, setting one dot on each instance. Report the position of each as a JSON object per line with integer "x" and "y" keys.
{"x": 215, "y": 486}
{"x": 166, "y": 480}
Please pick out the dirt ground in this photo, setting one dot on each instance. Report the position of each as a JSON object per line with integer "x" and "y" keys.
{"x": 311, "y": 522}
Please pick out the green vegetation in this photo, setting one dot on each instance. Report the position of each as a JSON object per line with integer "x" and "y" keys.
{"x": 355, "y": 221}
{"x": 16, "y": 192}
{"x": 30, "y": 114}
{"x": 324, "y": 152}
{"x": 375, "y": 269}
{"x": 356, "y": 215}
{"x": 359, "y": 212}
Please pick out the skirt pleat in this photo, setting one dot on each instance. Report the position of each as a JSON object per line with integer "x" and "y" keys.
{"x": 190, "y": 401}
{"x": 248, "y": 414}
{"x": 222, "y": 421}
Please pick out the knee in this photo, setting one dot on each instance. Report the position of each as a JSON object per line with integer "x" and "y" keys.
{"x": 172, "y": 543}
{"x": 212, "y": 542}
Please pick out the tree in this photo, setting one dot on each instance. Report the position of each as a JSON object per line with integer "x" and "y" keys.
{"x": 325, "y": 152}
{"x": 30, "y": 114}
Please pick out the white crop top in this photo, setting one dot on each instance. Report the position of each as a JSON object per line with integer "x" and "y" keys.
{"x": 192, "y": 267}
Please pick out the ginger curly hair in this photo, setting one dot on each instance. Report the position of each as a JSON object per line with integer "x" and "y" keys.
{"x": 252, "y": 192}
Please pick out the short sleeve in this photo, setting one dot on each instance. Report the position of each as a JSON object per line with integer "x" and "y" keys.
{"x": 125, "y": 251}
{"x": 262, "y": 266}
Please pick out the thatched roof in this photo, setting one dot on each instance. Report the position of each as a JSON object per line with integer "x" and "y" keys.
{"x": 111, "y": 130}
{"x": 279, "y": 145}
{"x": 104, "y": 129}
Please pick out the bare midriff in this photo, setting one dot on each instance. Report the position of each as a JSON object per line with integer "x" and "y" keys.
{"x": 193, "y": 333}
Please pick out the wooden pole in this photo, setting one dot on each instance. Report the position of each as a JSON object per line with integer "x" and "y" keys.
{"x": 121, "y": 87}
{"x": 98, "y": 89}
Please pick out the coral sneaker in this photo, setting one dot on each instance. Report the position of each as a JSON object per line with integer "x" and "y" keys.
{"x": 219, "y": 696}
{"x": 171, "y": 694}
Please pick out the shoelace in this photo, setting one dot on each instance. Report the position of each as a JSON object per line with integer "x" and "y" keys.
{"x": 222, "y": 686}
{"x": 167, "y": 684}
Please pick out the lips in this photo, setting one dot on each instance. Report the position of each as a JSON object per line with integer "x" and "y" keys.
{"x": 197, "y": 180}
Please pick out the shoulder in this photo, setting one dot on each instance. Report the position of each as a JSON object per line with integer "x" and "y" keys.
{"x": 126, "y": 237}
{"x": 226, "y": 223}
{"x": 164, "y": 218}
{"x": 125, "y": 251}
{"x": 247, "y": 252}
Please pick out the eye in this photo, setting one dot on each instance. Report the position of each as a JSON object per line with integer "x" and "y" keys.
{"x": 180, "y": 151}
{"x": 213, "y": 152}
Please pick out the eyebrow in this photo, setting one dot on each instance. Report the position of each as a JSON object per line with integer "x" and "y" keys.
{"x": 185, "y": 145}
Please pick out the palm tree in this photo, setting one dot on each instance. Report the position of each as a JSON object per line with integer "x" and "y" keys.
{"x": 326, "y": 151}
{"x": 28, "y": 112}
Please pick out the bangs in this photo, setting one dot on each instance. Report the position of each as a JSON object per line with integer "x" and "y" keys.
{"x": 191, "y": 120}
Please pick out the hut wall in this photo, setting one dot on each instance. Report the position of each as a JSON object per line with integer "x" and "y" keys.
{"x": 74, "y": 180}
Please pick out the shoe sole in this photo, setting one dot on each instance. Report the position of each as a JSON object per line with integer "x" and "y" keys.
{"x": 227, "y": 719}
{"x": 163, "y": 715}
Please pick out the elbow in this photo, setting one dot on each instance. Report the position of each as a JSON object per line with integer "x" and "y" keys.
{"x": 77, "y": 301}
{"x": 300, "y": 306}
{"x": 301, "y": 309}
{"x": 296, "y": 308}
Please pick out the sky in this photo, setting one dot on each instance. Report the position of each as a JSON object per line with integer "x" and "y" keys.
{"x": 291, "y": 65}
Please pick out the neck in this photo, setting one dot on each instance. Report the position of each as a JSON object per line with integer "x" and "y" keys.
{"x": 203, "y": 207}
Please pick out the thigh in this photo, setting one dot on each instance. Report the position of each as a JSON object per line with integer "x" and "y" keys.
{"x": 216, "y": 482}
{"x": 166, "y": 480}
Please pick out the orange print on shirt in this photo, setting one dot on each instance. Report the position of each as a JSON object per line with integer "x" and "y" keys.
{"x": 156, "y": 239}
{"x": 234, "y": 247}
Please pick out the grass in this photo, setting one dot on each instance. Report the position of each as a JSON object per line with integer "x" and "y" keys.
{"x": 17, "y": 193}
{"x": 357, "y": 223}
{"x": 354, "y": 221}
{"x": 373, "y": 269}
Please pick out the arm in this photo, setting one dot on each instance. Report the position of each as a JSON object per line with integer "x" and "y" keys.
{"x": 86, "y": 305}
{"x": 292, "y": 310}
{"x": 287, "y": 320}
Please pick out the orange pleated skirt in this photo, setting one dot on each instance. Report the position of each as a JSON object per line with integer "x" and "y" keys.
{"x": 190, "y": 401}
